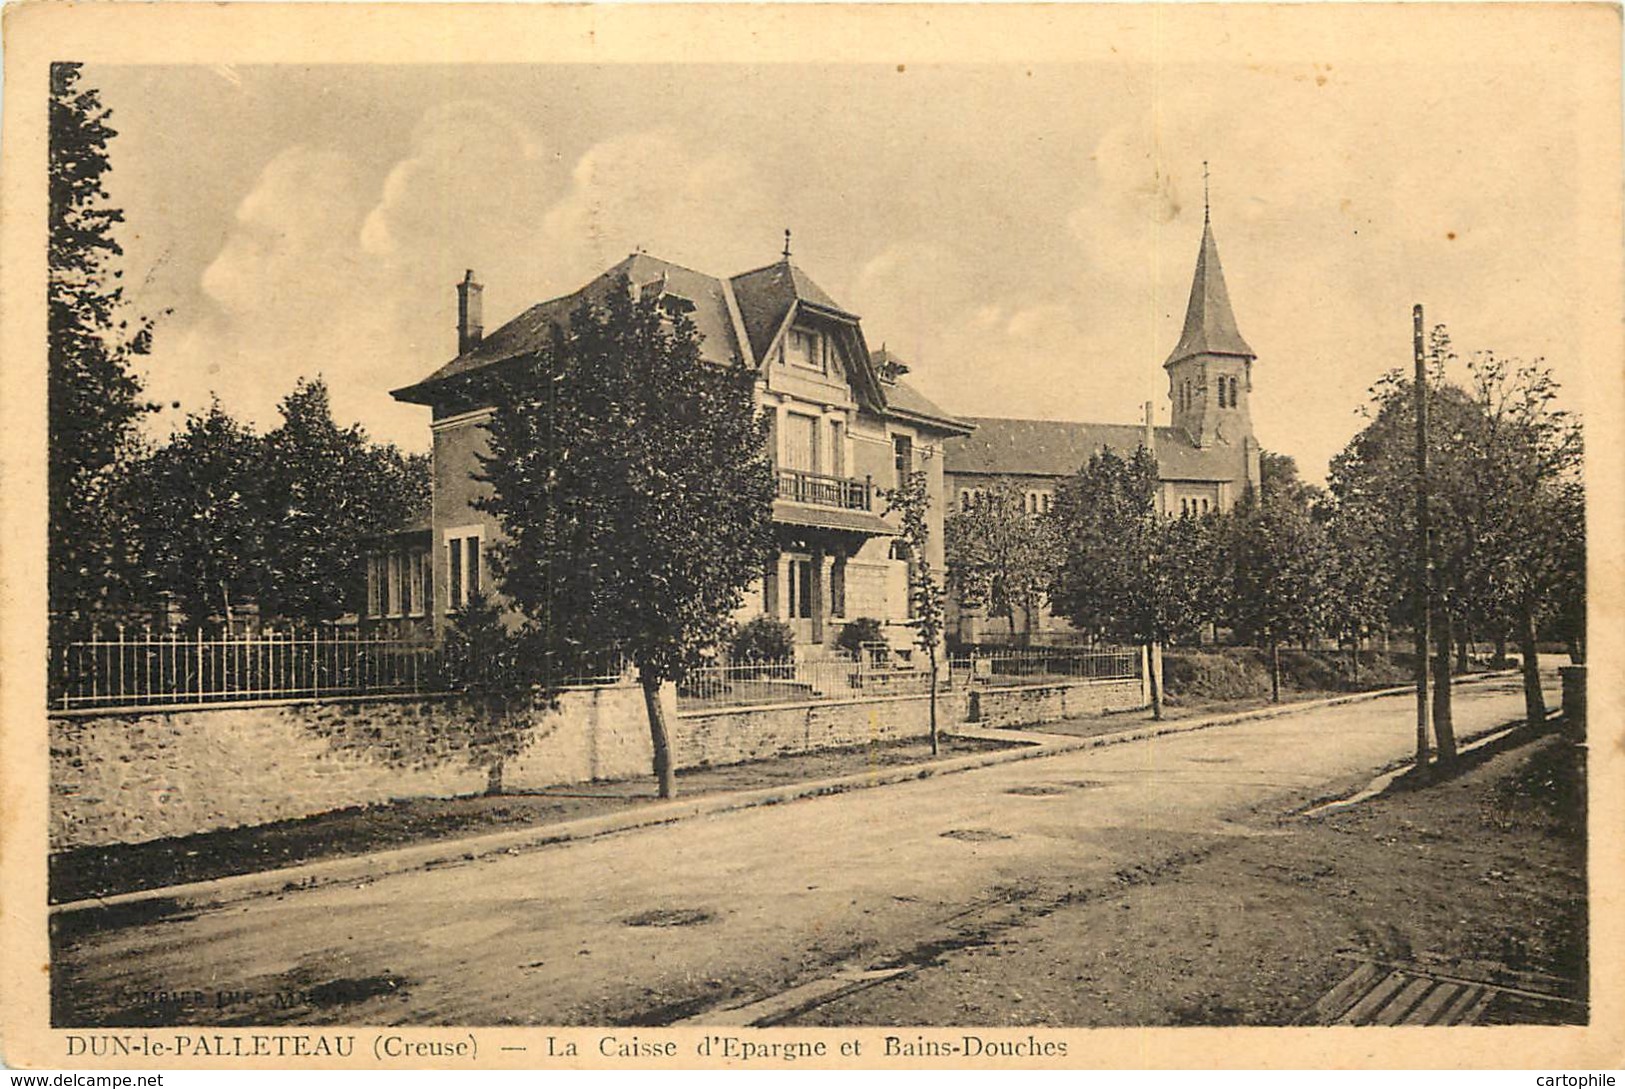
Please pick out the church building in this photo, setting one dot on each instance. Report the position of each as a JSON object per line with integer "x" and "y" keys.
{"x": 1206, "y": 458}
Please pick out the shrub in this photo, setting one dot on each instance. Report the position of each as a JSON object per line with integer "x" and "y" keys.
{"x": 855, "y": 633}
{"x": 1235, "y": 674}
{"x": 764, "y": 638}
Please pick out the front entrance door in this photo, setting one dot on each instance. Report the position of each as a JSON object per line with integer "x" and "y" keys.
{"x": 802, "y": 599}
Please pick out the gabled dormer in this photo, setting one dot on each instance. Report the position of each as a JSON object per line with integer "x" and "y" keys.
{"x": 803, "y": 341}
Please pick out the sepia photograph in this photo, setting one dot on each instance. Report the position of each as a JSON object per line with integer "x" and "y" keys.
{"x": 893, "y": 537}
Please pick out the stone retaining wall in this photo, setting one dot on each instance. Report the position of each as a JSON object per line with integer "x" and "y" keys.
{"x": 155, "y": 773}
{"x": 1007, "y": 708}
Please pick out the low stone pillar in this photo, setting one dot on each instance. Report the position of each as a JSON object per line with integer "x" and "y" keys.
{"x": 1574, "y": 697}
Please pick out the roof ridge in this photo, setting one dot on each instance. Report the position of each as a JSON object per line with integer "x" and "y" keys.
{"x": 1068, "y": 423}
{"x": 764, "y": 268}
{"x": 674, "y": 264}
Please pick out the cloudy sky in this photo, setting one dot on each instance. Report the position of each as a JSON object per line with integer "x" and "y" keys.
{"x": 1024, "y": 235}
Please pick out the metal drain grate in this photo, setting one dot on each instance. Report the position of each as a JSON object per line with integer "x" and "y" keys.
{"x": 1406, "y": 994}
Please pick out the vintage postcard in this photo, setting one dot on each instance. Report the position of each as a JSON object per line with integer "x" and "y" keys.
{"x": 805, "y": 536}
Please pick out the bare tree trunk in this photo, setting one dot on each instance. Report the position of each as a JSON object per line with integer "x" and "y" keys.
{"x": 1463, "y": 666}
{"x": 1354, "y": 657}
{"x": 1275, "y": 671}
{"x": 1156, "y": 681}
{"x": 1444, "y": 731}
{"x": 660, "y": 736}
{"x": 1500, "y": 649}
{"x": 935, "y": 742}
{"x": 1534, "y": 701}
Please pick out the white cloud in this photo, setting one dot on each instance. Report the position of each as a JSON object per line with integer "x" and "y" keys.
{"x": 289, "y": 294}
{"x": 652, "y": 190}
{"x": 321, "y": 272}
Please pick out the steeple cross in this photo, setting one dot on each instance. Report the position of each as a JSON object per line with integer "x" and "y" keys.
{"x": 787, "y": 243}
{"x": 1204, "y": 192}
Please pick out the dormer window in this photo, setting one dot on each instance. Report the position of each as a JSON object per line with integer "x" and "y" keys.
{"x": 674, "y": 304}
{"x": 671, "y": 304}
{"x": 807, "y": 349}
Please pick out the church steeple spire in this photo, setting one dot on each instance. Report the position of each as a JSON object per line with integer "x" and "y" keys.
{"x": 1210, "y": 370}
{"x": 1210, "y": 324}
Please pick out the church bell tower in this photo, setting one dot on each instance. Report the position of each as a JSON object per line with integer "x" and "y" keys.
{"x": 1210, "y": 371}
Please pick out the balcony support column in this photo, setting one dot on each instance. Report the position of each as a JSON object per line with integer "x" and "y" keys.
{"x": 818, "y": 597}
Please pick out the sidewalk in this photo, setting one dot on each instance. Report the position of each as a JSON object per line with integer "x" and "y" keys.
{"x": 589, "y": 810}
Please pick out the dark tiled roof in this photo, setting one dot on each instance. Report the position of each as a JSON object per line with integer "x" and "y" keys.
{"x": 1210, "y": 324}
{"x": 854, "y": 521}
{"x": 532, "y": 329}
{"x": 905, "y": 400}
{"x": 884, "y": 359}
{"x": 765, "y": 296}
{"x": 1054, "y": 448}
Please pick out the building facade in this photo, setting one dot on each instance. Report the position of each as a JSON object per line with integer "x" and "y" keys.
{"x": 1206, "y": 458}
{"x": 845, "y": 427}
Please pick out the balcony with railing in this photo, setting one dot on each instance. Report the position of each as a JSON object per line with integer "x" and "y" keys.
{"x": 816, "y": 489}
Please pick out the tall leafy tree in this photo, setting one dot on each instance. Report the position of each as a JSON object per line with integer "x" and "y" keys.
{"x": 1373, "y": 484}
{"x": 203, "y": 529}
{"x": 1528, "y": 560}
{"x": 1503, "y": 482}
{"x": 1126, "y": 572}
{"x": 94, "y": 399}
{"x": 326, "y": 489}
{"x": 1000, "y": 555}
{"x": 1278, "y": 564}
{"x": 632, "y": 481}
{"x": 912, "y": 502}
{"x": 1278, "y": 479}
{"x": 1359, "y": 581}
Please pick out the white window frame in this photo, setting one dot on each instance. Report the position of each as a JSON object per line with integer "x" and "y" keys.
{"x": 457, "y": 596}
{"x": 817, "y": 358}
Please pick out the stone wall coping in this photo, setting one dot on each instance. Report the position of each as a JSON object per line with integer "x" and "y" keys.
{"x": 1053, "y": 685}
{"x": 798, "y": 705}
{"x": 802, "y": 705}
{"x": 127, "y": 711}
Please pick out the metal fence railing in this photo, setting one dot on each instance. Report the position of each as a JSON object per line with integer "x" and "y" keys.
{"x": 152, "y": 670}
{"x": 996, "y": 666}
{"x": 872, "y": 674}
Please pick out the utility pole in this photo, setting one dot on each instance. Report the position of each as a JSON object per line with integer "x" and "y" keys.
{"x": 1424, "y": 557}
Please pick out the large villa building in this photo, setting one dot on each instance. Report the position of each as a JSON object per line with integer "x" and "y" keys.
{"x": 846, "y": 425}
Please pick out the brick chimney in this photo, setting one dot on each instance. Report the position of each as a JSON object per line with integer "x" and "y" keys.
{"x": 470, "y": 320}
{"x": 1150, "y": 439}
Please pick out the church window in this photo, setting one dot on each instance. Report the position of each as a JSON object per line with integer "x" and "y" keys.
{"x": 1221, "y": 392}
{"x": 1232, "y": 393}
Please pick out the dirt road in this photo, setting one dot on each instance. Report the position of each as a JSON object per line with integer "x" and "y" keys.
{"x": 656, "y": 925}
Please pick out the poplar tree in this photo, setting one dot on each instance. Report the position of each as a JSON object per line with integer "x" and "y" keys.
{"x": 93, "y": 398}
